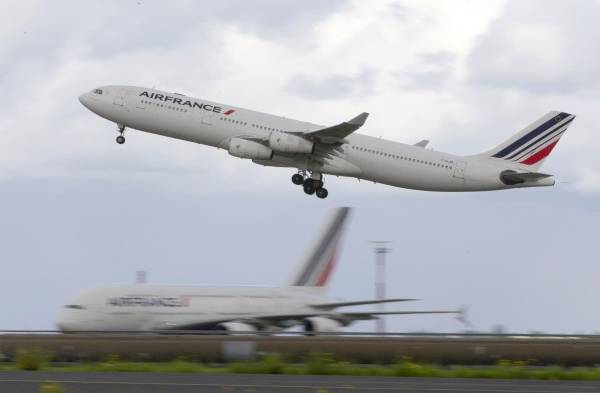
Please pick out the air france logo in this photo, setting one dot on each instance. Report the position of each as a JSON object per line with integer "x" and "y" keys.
{"x": 148, "y": 301}
{"x": 186, "y": 102}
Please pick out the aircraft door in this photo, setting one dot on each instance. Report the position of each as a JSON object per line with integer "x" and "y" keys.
{"x": 120, "y": 97}
{"x": 459, "y": 169}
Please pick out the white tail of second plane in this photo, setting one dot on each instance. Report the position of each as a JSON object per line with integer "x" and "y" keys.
{"x": 532, "y": 145}
{"x": 316, "y": 268}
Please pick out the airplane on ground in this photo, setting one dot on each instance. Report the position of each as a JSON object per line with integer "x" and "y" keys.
{"x": 303, "y": 302}
{"x": 316, "y": 150}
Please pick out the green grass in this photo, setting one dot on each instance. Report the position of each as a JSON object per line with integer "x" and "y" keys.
{"x": 51, "y": 387}
{"x": 313, "y": 364}
{"x": 31, "y": 359}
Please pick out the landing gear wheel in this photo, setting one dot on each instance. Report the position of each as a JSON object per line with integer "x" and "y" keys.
{"x": 309, "y": 187}
{"x": 322, "y": 193}
{"x": 120, "y": 139}
{"x": 298, "y": 179}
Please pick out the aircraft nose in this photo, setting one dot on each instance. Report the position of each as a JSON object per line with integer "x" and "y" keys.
{"x": 64, "y": 322}
{"x": 84, "y": 99}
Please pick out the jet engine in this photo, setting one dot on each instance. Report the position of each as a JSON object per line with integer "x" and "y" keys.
{"x": 288, "y": 143}
{"x": 321, "y": 324}
{"x": 235, "y": 327}
{"x": 244, "y": 148}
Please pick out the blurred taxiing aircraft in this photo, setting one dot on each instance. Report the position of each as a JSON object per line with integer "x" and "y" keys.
{"x": 303, "y": 302}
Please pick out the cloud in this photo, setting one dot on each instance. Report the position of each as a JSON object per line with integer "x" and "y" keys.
{"x": 333, "y": 87}
{"x": 540, "y": 47}
{"x": 434, "y": 71}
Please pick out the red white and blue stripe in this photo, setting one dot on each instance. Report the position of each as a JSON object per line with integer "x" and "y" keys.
{"x": 532, "y": 145}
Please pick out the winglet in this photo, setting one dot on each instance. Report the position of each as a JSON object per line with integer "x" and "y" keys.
{"x": 422, "y": 143}
{"x": 359, "y": 120}
{"x": 337, "y": 133}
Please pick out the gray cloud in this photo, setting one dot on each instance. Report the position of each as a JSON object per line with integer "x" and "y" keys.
{"x": 333, "y": 87}
{"x": 540, "y": 46}
{"x": 434, "y": 70}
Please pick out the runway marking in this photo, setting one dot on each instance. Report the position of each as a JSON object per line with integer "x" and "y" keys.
{"x": 408, "y": 385}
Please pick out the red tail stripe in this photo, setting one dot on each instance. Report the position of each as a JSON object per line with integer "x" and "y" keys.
{"x": 324, "y": 277}
{"x": 540, "y": 155}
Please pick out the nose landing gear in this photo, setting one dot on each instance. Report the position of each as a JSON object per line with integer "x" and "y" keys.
{"x": 311, "y": 183}
{"x": 121, "y": 130}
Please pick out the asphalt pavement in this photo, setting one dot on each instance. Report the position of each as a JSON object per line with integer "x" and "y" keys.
{"x": 103, "y": 382}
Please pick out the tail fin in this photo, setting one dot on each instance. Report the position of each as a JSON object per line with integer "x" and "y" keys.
{"x": 534, "y": 143}
{"x": 315, "y": 270}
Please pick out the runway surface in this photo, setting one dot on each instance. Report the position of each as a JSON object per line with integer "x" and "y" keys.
{"x": 85, "y": 382}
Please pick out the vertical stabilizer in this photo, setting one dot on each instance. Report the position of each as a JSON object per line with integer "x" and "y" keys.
{"x": 316, "y": 268}
{"x": 532, "y": 145}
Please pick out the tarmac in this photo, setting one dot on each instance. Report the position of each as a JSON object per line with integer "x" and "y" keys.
{"x": 103, "y": 382}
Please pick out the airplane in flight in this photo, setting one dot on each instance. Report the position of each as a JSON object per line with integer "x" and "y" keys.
{"x": 316, "y": 150}
{"x": 302, "y": 302}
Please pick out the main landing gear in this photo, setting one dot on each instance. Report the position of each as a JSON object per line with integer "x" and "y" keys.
{"x": 121, "y": 130}
{"x": 311, "y": 184}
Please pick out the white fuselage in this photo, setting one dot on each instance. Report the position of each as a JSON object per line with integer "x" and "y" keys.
{"x": 362, "y": 156}
{"x": 162, "y": 307}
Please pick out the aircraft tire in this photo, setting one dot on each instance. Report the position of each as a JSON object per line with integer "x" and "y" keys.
{"x": 322, "y": 193}
{"x": 309, "y": 188}
{"x": 298, "y": 179}
{"x": 120, "y": 139}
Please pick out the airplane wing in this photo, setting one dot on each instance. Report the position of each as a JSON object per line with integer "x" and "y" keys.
{"x": 289, "y": 320}
{"x": 422, "y": 143}
{"x": 366, "y": 315}
{"x": 337, "y": 133}
{"x": 359, "y": 303}
{"x": 342, "y": 317}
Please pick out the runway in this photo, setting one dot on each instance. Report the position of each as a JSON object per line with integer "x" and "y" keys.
{"x": 85, "y": 382}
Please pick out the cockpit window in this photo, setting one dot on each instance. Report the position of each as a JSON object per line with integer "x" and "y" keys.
{"x": 97, "y": 91}
{"x": 74, "y": 306}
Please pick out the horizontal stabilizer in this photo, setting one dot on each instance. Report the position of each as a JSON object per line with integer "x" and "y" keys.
{"x": 337, "y": 133}
{"x": 422, "y": 143}
{"x": 511, "y": 177}
{"x": 358, "y": 303}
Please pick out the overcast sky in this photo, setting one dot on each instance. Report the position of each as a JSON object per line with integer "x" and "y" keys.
{"x": 78, "y": 210}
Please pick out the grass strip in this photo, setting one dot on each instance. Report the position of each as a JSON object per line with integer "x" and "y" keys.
{"x": 315, "y": 364}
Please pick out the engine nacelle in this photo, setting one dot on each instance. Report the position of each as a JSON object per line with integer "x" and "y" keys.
{"x": 321, "y": 324}
{"x": 288, "y": 143}
{"x": 244, "y": 148}
{"x": 235, "y": 327}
